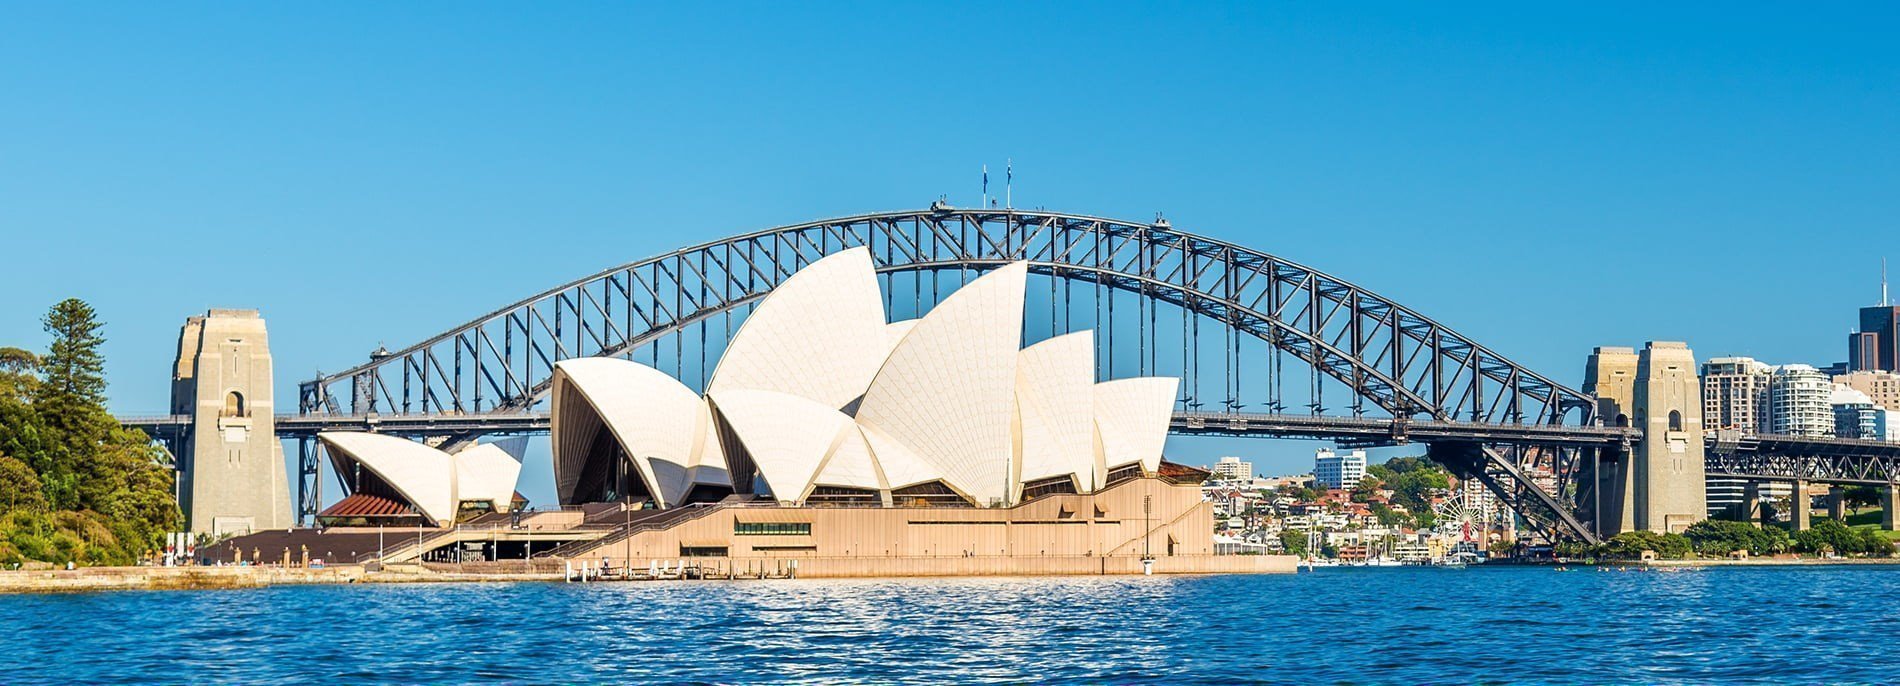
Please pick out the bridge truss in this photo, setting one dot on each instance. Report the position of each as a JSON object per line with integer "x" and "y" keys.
{"x": 1315, "y": 355}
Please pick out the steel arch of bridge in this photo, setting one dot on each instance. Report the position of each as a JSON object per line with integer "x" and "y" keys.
{"x": 1407, "y": 364}
{"x": 1404, "y": 363}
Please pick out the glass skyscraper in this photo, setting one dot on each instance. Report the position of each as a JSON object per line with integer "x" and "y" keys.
{"x": 1877, "y": 344}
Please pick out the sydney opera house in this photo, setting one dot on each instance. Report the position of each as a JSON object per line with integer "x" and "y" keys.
{"x": 830, "y": 434}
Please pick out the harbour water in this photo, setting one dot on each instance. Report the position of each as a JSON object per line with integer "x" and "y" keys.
{"x": 1405, "y": 625}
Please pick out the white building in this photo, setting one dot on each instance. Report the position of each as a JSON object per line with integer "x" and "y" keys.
{"x": 395, "y": 480}
{"x": 1856, "y": 415}
{"x": 1335, "y": 470}
{"x": 1800, "y": 402}
{"x": 1882, "y": 386}
{"x": 1482, "y": 501}
{"x": 1735, "y": 394}
{"x": 818, "y": 399}
{"x": 1233, "y": 469}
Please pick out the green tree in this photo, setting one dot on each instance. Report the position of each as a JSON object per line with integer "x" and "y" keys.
{"x": 73, "y": 367}
{"x": 1413, "y": 463}
{"x": 1386, "y": 515}
{"x": 1293, "y": 542}
{"x": 19, "y": 486}
{"x": 19, "y": 371}
{"x": 22, "y": 435}
{"x": 1831, "y": 535}
{"x": 1873, "y": 544}
{"x": 1859, "y": 496}
{"x": 74, "y": 486}
{"x": 1414, "y": 489}
{"x": 70, "y": 401}
{"x": 1367, "y": 488}
{"x": 1630, "y": 545}
{"x": 1718, "y": 538}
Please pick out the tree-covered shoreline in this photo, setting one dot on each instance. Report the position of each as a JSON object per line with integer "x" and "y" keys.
{"x": 74, "y": 485}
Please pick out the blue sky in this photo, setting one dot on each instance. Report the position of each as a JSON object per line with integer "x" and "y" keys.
{"x": 1543, "y": 179}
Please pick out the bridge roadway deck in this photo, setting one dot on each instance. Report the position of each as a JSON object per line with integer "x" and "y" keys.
{"x": 1359, "y": 431}
{"x": 1836, "y": 460}
{"x": 1804, "y": 458}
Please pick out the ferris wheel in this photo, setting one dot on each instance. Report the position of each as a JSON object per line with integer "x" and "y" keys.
{"x": 1455, "y": 518}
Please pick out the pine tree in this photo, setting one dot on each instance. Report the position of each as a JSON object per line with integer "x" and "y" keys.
{"x": 70, "y": 401}
{"x": 74, "y": 371}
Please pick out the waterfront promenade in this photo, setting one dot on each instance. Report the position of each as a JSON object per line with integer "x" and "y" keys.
{"x": 233, "y": 577}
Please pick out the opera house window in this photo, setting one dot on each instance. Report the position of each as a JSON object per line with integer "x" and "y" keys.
{"x": 771, "y": 528}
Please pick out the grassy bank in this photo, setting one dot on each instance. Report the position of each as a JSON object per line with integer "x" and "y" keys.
{"x": 1869, "y": 518}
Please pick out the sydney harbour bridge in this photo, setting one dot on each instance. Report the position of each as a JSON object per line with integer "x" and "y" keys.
{"x": 1264, "y": 347}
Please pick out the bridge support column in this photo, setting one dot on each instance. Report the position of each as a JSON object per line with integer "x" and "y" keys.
{"x": 1671, "y": 487}
{"x": 1800, "y": 505}
{"x": 1889, "y": 497}
{"x": 1610, "y": 375}
{"x": 1754, "y": 511}
{"x": 1837, "y": 503}
{"x": 231, "y": 466}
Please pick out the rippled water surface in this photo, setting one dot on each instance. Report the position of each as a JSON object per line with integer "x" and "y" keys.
{"x": 1369, "y": 625}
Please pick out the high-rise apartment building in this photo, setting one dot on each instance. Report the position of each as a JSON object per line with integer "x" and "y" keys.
{"x": 1336, "y": 470}
{"x": 1800, "y": 402}
{"x": 1856, "y": 416}
{"x": 1882, "y": 387}
{"x": 1233, "y": 469}
{"x": 1735, "y": 394}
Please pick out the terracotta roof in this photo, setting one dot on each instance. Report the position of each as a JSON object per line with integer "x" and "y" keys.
{"x": 366, "y": 505}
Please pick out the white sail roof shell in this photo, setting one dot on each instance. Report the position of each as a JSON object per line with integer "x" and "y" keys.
{"x": 422, "y": 475}
{"x": 708, "y": 466}
{"x": 658, "y": 421}
{"x": 948, "y": 390}
{"x": 1131, "y": 417}
{"x": 894, "y": 332}
{"x": 489, "y": 472}
{"x": 787, "y": 436}
{"x": 1055, "y": 381}
{"x": 851, "y": 464}
{"x": 819, "y": 335}
{"x": 899, "y": 465}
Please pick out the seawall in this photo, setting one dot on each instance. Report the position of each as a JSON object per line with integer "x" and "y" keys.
{"x": 896, "y": 567}
{"x": 91, "y": 579}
